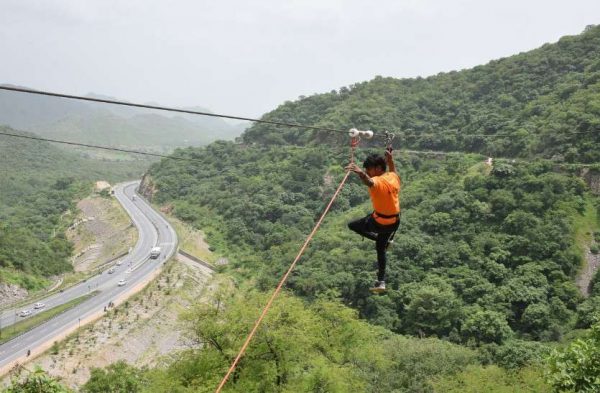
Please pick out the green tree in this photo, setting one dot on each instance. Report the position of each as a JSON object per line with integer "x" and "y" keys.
{"x": 486, "y": 327}
{"x": 588, "y": 312}
{"x": 577, "y": 367}
{"x": 432, "y": 310}
{"x": 492, "y": 379}
{"x": 119, "y": 377}
{"x": 535, "y": 318}
{"x": 514, "y": 354}
{"x": 35, "y": 382}
{"x": 301, "y": 347}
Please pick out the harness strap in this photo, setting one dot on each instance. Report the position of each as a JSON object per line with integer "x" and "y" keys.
{"x": 397, "y": 215}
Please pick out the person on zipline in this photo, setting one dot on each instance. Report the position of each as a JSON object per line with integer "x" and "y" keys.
{"x": 384, "y": 189}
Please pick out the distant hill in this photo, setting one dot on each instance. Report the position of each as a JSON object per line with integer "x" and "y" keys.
{"x": 25, "y": 111}
{"x": 150, "y": 131}
{"x": 113, "y": 125}
{"x": 545, "y": 102}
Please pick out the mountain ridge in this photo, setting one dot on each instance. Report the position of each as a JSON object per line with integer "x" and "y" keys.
{"x": 89, "y": 122}
{"x": 540, "y": 103}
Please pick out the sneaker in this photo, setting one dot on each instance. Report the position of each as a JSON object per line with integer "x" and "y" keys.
{"x": 379, "y": 287}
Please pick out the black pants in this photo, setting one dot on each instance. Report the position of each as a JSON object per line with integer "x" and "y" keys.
{"x": 381, "y": 234}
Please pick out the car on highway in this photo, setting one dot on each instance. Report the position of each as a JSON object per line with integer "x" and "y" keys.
{"x": 119, "y": 263}
{"x": 25, "y": 313}
{"x": 155, "y": 252}
{"x": 38, "y": 305}
{"x": 122, "y": 282}
{"x": 111, "y": 270}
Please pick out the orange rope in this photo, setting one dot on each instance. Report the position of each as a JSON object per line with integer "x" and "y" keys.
{"x": 285, "y": 276}
{"x": 353, "y": 144}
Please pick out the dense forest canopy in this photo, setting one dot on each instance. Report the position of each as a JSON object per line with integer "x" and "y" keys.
{"x": 478, "y": 246}
{"x": 485, "y": 257}
{"x": 545, "y": 102}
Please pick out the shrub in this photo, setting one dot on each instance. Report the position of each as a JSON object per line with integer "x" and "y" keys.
{"x": 577, "y": 367}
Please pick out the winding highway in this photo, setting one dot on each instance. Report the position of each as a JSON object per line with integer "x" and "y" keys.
{"x": 137, "y": 269}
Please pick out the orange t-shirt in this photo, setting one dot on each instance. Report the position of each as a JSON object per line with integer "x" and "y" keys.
{"x": 384, "y": 196}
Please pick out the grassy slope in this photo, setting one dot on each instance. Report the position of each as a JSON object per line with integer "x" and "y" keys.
{"x": 192, "y": 240}
{"x": 585, "y": 225}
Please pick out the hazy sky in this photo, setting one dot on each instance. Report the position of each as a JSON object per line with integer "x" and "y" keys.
{"x": 247, "y": 57}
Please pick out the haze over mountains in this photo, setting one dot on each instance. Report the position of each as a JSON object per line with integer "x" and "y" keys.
{"x": 113, "y": 125}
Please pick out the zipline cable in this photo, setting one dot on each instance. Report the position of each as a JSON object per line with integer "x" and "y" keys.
{"x": 169, "y": 157}
{"x": 354, "y": 143}
{"x": 169, "y": 109}
{"x": 177, "y": 158}
{"x": 279, "y": 123}
{"x": 35, "y": 138}
{"x": 272, "y": 122}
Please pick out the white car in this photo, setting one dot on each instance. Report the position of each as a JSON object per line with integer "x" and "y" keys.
{"x": 25, "y": 313}
{"x": 155, "y": 252}
{"x": 111, "y": 270}
{"x": 119, "y": 263}
{"x": 37, "y": 306}
{"x": 122, "y": 282}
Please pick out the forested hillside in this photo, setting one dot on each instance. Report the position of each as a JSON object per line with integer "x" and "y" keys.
{"x": 543, "y": 102}
{"x": 38, "y": 184}
{"x": 477, "y": 246}
{"x": 486, "y": 255}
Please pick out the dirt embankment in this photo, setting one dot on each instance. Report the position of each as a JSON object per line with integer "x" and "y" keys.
{"x": 147, "y": 187}
{"x": 592, "y": 178}
{"x": 10, "y": 293}
{"x": 102, "y": 231}
{"x": 143, "y": 331}
{"x": 592, "y": 263}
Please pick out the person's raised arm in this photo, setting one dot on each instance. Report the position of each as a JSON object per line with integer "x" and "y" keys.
{"x": 389, "y": 158}
{"x": 367, "y": 181}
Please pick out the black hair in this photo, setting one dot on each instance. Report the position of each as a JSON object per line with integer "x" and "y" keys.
{"x": 374, "y": 160}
